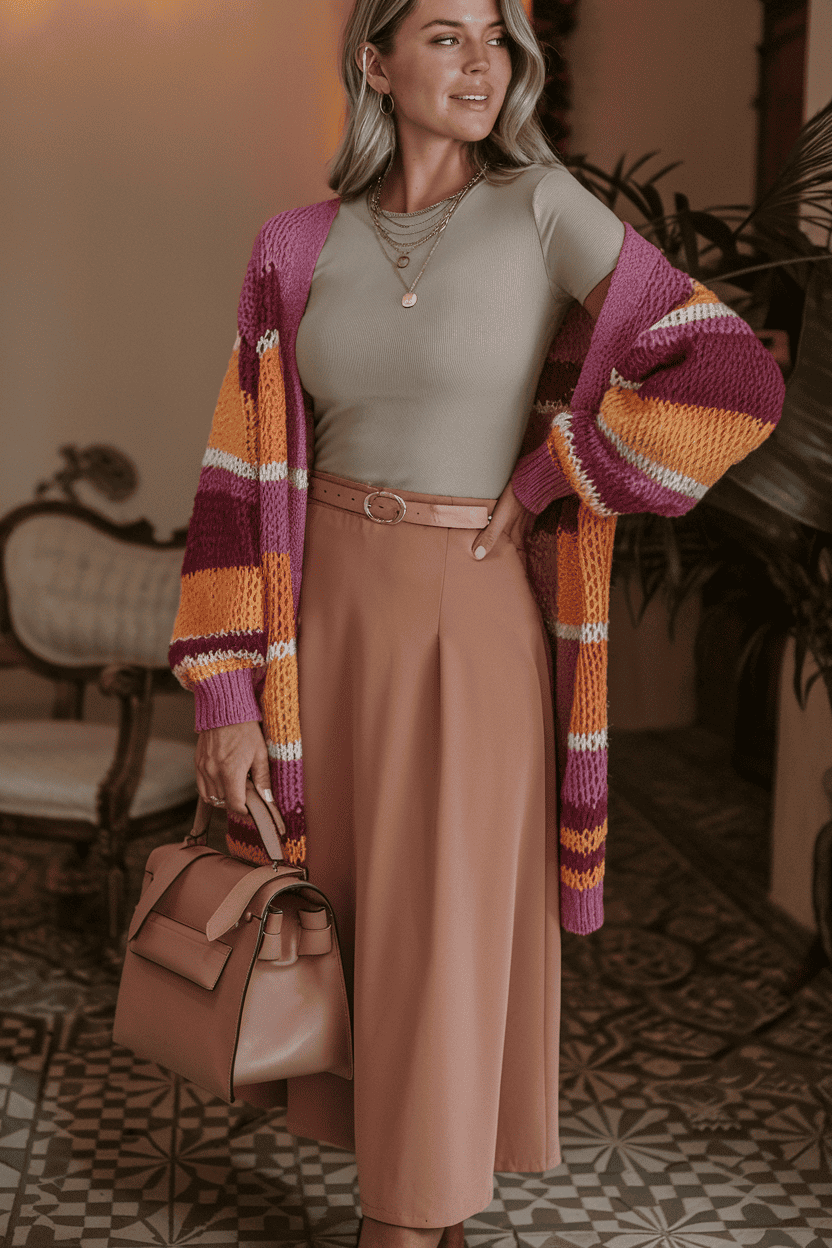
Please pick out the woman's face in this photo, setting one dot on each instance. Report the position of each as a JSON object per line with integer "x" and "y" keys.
{"x": 445, "y": 50}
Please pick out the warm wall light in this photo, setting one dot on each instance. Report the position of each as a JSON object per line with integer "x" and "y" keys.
{"x": 22, "y": 15}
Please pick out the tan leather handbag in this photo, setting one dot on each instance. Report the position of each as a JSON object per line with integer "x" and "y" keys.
{"x": 232, "y": 975}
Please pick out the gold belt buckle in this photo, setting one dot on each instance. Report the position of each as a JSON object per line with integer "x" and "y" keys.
{"x": 384, "y": 494}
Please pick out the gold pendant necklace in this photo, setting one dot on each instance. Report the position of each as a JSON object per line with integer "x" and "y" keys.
{"x": 409, "y": 298}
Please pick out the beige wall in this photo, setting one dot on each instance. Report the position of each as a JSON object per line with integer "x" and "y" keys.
{"x": 677, "y": 75}
{"x": 818, "y": 57}
{"x": 818, "y": 87}
{"x": 144, "y": 142}
{"x": 801, "y": 803}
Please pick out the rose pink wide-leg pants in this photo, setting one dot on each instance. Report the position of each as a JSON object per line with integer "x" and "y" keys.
{"x": 430, "y": 777}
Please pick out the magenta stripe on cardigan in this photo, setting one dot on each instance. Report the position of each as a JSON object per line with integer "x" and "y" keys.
{"x": 573, "y": 861}
{"x": 581, "y": 814}
{"x": 223, "y": 481}
{"x": 702, "y": 381}
{"x": 221, "y": 643}
{"x": 265, "y": 305}
{"x": 224, "y": 533}
{"x": 587, "y": 782}
{"x": 274, "y": 517}
{"x": 623, "y": 487}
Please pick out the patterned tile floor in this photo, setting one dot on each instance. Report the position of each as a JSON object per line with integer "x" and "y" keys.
{"x": 697, "y": 1085}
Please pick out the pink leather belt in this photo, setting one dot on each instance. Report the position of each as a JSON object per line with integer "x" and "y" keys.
{"x": 387, "y": 507}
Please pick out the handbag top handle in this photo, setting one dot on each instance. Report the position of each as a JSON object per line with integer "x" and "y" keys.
{"x": 267, "y": 818}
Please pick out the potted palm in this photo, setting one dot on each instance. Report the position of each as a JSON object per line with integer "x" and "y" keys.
{"x": 769, "y": 520}
{"x": 760, "y": 259}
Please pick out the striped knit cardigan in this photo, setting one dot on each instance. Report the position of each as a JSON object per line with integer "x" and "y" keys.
{"x": 643, "y": 413}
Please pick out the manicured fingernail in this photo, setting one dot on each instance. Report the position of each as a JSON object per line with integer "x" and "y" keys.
{"x": 267, "y": 793}
{"x": 479, "y": 553}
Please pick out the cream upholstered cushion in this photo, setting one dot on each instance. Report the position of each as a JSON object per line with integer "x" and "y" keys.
{"x": 53, "y": 769}
{"x": 79, "y": 596}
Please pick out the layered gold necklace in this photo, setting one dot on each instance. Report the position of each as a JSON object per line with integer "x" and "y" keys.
{"x": 433, "y": 219}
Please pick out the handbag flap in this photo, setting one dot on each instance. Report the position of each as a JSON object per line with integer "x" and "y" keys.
{"x": 222, "y": 889}
{"x": 181, "y": 949}
{"x": 197, "y": 892}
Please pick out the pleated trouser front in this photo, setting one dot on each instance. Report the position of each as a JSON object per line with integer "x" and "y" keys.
{"x": 430, "y": 778}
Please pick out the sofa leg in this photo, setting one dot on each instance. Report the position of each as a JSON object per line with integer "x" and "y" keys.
{"x": 115, "y": 902}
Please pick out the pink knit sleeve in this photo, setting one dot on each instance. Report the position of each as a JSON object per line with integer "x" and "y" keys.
{"x": 675, "y": 388}
{"x": 219, "y": 637}
{"x": 538, "y": 479}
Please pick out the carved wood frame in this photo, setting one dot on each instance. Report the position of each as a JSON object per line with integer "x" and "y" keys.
{"x": 133, "y": 685}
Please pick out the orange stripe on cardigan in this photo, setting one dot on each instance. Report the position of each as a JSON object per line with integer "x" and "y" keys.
{"x": 582, "y": 881}
{"x": 294, "y": 849}
{"x": 272, "y": 401}
{"x": 570, "y": 597}
{"x": 589, "y": 708}
{"x": 220, "y": 600}
{"x": 596, "y": 538}
{"x": 583, "y": 841}
{"x": 234, "y": 427}
{"x": 278, "y": 576}
{"x": 560, "y": 449}
{"x": 695, "y": 442}
{"x": 280, "y": 701}
{"x": 701, "y": 294}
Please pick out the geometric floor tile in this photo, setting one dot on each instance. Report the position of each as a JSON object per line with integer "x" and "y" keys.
{"x": 696, "y": 1085}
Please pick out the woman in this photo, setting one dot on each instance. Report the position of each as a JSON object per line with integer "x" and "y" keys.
{"x": 391, "y": 604}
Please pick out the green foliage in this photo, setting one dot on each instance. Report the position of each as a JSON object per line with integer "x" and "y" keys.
{"x": 733, "y": 242}
{"x": 765, "y": 530}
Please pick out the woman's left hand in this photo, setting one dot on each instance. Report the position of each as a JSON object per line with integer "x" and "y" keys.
{"x": 509, "y": 516}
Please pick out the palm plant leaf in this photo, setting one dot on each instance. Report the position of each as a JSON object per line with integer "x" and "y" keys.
{"x": 805, "y": 179}
{"x": 772, "y": 513}
{"x": 792, "y": 470}
{"x": 665, "y": 169}
{"x": 601, "y": 183}
{"x": 642, "y": 160}
{"x": 769, "y": 232}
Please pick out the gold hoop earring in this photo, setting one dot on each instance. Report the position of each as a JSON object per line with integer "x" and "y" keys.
{"x": 385, "y": 112}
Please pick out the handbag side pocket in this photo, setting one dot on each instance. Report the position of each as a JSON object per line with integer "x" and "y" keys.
{"x": 182, "y": 949}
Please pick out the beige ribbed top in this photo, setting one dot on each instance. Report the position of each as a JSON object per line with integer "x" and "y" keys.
{"x": 435, "y": 398}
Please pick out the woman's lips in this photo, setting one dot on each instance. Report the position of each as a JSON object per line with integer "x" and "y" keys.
{"x": 475, "y": 104}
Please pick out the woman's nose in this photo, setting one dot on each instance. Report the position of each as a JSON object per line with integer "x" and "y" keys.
{"x": 478, "y": 62}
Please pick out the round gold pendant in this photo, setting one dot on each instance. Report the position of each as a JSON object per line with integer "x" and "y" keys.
{"x": 403, "y": 262}
{"x": 408, "y": 299}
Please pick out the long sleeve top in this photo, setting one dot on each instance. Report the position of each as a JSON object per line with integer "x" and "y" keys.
{"x": 642, "y": 412}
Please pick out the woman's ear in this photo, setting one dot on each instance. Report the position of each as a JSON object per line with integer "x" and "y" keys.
{"x": 367, "y": 60}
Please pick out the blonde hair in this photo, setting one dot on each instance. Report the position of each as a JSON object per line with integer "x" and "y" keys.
{"x": 369, "y": 138}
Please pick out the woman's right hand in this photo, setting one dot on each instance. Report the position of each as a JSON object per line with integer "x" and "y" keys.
{"x": 225, "y": 756}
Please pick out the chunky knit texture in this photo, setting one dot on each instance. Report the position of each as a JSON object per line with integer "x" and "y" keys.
{"x": 642, "y": 414}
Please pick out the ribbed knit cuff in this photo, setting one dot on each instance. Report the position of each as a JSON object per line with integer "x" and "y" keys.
{"x": 227, "y": 698}
{"x": 538, "y": 480}
{"x": 581, "y": 912}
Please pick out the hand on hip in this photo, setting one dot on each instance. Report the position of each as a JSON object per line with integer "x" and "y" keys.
{"x": 509, "y": 516}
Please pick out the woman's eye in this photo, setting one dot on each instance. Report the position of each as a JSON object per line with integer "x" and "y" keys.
{"x": 500, "y": 40}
